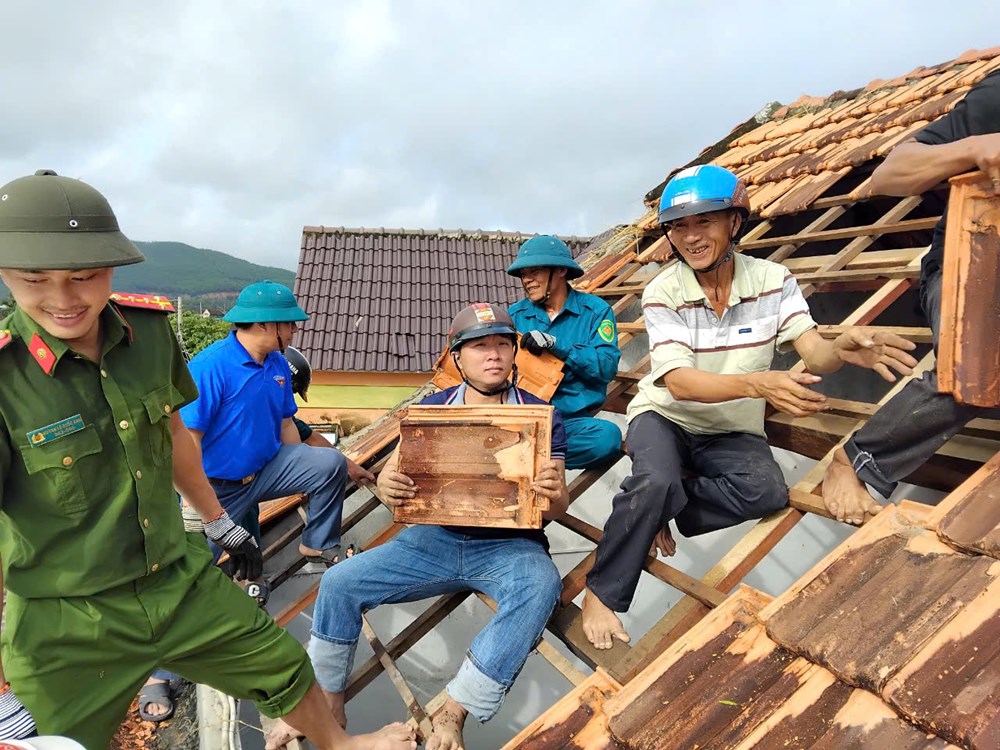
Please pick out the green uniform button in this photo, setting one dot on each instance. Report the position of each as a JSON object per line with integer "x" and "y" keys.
{"x": 68, "y": 461}
{"x": 123, "y": 424}
{"x": 145, "y": 522}
{"x": 104, "y": 373}
{"x": 138, "y": 474}
{"x": 155, "y": 567}
{"x": 166, "y": 409}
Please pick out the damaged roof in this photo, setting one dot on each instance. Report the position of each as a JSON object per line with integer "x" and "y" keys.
{"x": 382, "y": 299}
{"x": 798, "y": 151}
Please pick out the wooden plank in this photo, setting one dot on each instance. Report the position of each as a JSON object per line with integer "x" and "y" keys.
{"x": 875, "y": 230}
{"x": 398, "y": 681}
{"x": 405, "y": 640}
{"x": 724, "y": 575}
{"x": 474, "y": 465}
{"x": 670, "y": 575}
{"x": 868, "y": 259}
{"x": 968, "y": 357}
{"x": 820, "y": 223}
{"x": 833, "y": 279}
{"x": 882, "y": 226}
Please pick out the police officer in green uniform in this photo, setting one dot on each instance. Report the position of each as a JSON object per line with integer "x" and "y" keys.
{"x": 102, "y": 583}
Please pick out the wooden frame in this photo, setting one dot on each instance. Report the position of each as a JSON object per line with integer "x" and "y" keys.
{"x": 474, "y": 465}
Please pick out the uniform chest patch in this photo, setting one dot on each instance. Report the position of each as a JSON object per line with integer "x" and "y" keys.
{"x": 746, "y": 330}
{"x": 280, "y": 380}
{"x": 606, "y": 330}
{"x": 56, "y": 430}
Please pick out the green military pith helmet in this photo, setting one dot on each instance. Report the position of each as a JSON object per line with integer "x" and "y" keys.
{"x": 266, "y": 302}
{"x": 50, "y": 223}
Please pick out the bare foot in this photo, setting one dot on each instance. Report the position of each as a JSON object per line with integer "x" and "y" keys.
{"x": 600, "y": 624}
{"x": 664, "y": 543}
{"x": 448, "y": 724}
{"x": 394, "y": 736}
{"x": 280, "y": 735}
{"x": 844, "y": 495}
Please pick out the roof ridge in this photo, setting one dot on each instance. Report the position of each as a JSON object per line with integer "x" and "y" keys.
{"x": 446, "y": 233}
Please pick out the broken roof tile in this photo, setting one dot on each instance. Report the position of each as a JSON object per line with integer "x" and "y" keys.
{"x": 969, "y": 518}
{"x": 898, "y": 585}
{"x": 953, "y": 683}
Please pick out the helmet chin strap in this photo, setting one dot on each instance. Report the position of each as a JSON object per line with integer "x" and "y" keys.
{"x": 548, "y": 288}
{"x": 495, "y": 391}
{"x": 726, "y": 257}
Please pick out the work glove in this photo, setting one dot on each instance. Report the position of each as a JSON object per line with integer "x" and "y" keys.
{"x": 537, "y": 342}
{"x": 15, "y": 721}
{"x": 248, "y": 563}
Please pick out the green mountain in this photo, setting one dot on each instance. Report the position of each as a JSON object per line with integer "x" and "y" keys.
{"x": 203, "y": 277}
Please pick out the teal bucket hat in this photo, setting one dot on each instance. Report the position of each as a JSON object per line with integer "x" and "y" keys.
{"x": 265, "y": 302}
{"x": 545, "y": 251}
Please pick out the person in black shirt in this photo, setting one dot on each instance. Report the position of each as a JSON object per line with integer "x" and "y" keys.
{"x": 907, "y": 430}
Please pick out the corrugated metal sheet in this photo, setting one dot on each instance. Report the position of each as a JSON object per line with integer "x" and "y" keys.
{"x": 382, "y": 299}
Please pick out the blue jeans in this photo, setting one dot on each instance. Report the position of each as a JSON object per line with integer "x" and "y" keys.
{"x": 320, "y": 472}
{"x": 426, "y": 561}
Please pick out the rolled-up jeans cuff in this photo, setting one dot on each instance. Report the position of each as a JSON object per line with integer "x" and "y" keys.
{"x": 867, "y": 469}
{"x": 477, "y": 693}
{"x": 332, "y": 662}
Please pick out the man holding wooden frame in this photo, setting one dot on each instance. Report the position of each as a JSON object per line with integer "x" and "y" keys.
{"x": 509, "y": 565}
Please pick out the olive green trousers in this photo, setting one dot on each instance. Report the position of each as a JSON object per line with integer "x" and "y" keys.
{"x": 76, "y": 663}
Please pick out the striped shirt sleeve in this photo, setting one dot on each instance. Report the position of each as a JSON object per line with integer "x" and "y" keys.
{"x": 794, "y": 317}
{"x": 670, "y": 342}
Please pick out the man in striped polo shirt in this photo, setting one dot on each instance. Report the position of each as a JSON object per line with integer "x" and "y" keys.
{"x": 696, "y": 427}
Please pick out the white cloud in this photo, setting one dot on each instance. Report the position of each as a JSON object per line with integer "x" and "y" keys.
{"x": 231, "y": 127}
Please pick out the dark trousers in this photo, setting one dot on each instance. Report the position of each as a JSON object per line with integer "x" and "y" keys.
{"x": 905, "y": 432}
{"x": 702, "y": 482}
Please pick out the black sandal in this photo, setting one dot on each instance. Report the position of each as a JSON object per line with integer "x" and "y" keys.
{"x": 158, "y": 693}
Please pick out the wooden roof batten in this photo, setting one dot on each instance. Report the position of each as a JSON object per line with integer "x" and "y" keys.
{"x": 848, "y": 257}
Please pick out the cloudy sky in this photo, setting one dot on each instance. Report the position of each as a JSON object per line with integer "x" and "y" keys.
{"x": 230, "y": 125}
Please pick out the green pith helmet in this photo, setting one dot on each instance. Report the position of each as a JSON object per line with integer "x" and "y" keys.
{"x": 478, "y": 320}
{"x": 266, "y": 302}
{"x": 53, "y": 223}
{"x": 545, "y": 251}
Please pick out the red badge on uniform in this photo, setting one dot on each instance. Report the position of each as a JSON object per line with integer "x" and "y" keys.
{"x": 5, "y": 338}
{"x": 44, "y": 356}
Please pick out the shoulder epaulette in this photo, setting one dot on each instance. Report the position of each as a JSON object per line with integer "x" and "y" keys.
{"x": 5, "y": 338}
{"x": 143, "y": 301}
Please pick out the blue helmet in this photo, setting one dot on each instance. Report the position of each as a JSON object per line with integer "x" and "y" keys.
{"x": 701, "y": 190}
{"x": 545, "y": 251}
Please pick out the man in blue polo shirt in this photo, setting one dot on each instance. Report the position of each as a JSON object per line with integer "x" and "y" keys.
{"x": 242, "y": 420}
{"x": 580, "y": 330}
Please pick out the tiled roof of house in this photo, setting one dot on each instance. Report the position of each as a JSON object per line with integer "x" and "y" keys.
{"x": 795, "y": 154}
{"x": 382, "y": 299}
